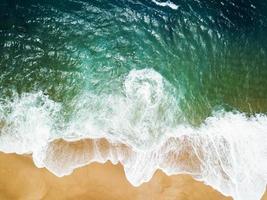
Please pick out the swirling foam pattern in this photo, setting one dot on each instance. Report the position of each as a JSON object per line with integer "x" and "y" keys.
{"x": 174, "y": 85}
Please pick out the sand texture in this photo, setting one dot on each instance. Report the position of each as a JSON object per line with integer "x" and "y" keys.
{"x": 20, "y": 179}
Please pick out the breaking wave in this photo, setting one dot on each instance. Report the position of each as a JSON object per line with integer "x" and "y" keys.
{"x": 142, "y": 128}
{"x": 167, "y": 3}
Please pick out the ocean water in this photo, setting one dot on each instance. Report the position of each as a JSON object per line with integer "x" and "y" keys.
{"x": 174, "y": 85}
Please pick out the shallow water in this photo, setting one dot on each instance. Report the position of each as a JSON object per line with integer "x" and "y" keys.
{"x": 159, "y": 77}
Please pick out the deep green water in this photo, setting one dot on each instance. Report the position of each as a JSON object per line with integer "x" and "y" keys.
{"x": 213, "y": 52}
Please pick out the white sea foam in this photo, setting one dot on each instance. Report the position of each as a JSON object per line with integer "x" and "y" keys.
{"x": 167, "y": 3}
{"x": 26, "y": 123}
{"x": 141, "y": 131}
{"x": 145, "y": 112}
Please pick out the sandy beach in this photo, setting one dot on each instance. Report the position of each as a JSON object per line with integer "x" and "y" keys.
{"x": 20, "y": 179}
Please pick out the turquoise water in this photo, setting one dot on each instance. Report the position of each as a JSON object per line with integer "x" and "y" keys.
{"x": 213, "y": 53}
{"x": 138, "y": 72}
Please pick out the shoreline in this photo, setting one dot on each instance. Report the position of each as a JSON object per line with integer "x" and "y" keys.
{"x": 94, "y": 181}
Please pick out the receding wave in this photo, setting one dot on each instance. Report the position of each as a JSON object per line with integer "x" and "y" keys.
{"x": 139, "y": 129}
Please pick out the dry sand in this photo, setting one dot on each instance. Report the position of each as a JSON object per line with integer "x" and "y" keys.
{"x": 20, "y": 179}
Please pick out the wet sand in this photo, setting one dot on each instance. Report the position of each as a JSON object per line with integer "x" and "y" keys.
{"x": 20, "y": 179}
